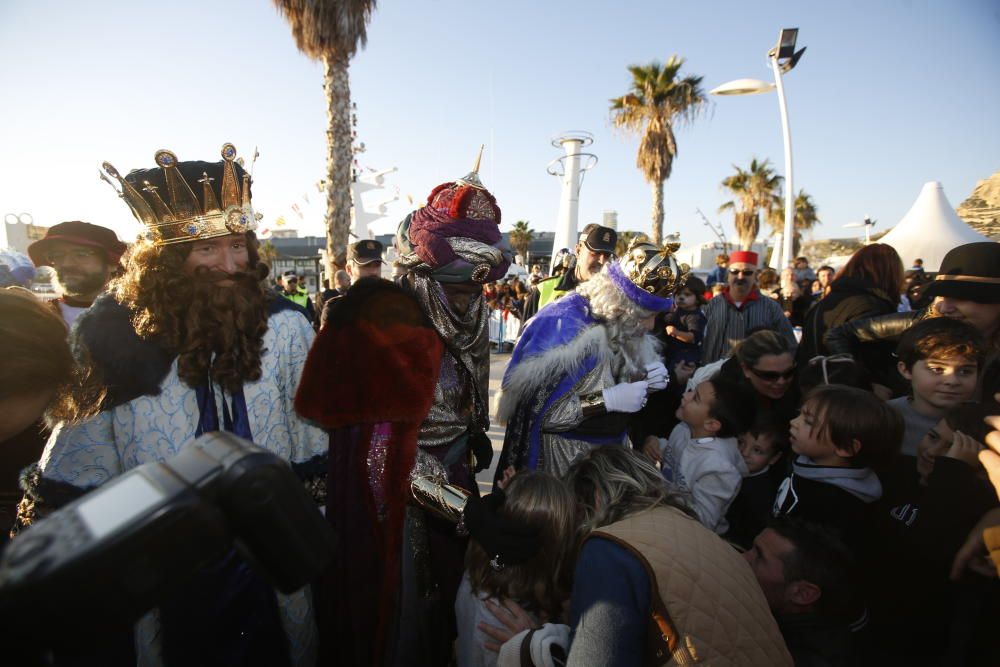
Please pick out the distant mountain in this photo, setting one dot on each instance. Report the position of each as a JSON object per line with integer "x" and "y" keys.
{"x": 982, "y": 209}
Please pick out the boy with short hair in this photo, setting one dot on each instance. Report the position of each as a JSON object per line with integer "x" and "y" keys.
{"x": 762, "y": 447}
{"x": 941, "y": 358}
{"x": 701, "y": 458}
{"x": 842, "y": 437}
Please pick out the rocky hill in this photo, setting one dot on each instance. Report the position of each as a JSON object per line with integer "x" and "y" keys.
{"x": 982, "y": 209}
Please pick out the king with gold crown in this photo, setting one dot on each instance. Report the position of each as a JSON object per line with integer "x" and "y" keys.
{"x": 585, "y": 364}
{"x": 188, "y": 340}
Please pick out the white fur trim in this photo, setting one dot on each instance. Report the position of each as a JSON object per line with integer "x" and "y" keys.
{"x": 524, "y": 378}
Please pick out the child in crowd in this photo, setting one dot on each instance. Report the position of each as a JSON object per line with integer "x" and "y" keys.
{"x": 684, "y": 326}
{"x": 522, "y": 546}
{"x": 763, "y": 448}
{"x": 930, "y": 504}
{"x": 941, "y": 358}
{"x": 841, "y": 437}
{"x": 701, "y": 458}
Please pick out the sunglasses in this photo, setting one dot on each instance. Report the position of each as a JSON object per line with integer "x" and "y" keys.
{"x": 736, "y": 272}
{"x": 774, "y": 376}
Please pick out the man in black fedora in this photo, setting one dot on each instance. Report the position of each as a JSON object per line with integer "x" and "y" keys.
{"x": 85, "y": 257}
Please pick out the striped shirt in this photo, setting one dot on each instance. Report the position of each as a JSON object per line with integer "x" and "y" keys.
{"x": 728, "y": 324}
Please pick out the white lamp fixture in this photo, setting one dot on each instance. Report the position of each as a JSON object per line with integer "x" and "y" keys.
{"x": 783, "y": 57}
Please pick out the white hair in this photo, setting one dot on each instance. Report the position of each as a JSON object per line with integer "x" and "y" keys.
{"x": 623, "y": 321}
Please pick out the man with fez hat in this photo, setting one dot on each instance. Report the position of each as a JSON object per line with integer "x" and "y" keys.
{"x": 586, "y": 363}
{"x": 450, "y": 247}
{"x": 85, "y": 258}
{"x": 188, "y": 340}
{"x": 740, "y": 309}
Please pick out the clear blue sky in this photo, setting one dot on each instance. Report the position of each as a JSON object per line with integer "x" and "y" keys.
{"x": 889, "y": 95}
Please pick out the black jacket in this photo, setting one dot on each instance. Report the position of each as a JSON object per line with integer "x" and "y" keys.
{"x": 849, "y": 299}
{"x": 879, "y": 335}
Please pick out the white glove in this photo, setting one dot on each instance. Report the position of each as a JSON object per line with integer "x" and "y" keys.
{"x": 625, "y": 397}
{"x": 656, "y": 376}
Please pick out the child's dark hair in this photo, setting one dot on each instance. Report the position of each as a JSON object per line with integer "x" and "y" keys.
{"x": 542, "y": 583}
{"x": 733, "y": 407}
{"x": 940, "y": 338}
{"x": 845, "y": 414}
{"x": 773, "y": 428}
{"x": 969, "y": 419}
{"x": 697, "y": 287}
{"x": 836, "y": 369}
{"x": 820, "y": 558}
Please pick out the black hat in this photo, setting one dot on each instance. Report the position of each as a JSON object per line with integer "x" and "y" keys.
{"x": 601, "y": 239}
{"x": 79, "y": 233}
{"x": 365, "y": 252}
{"x": 970, "y": 272}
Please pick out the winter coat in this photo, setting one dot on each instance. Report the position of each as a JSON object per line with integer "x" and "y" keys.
{"x": 849, "y": 299}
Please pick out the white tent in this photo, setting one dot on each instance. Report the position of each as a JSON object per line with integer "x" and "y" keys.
{"x": 930, "y": 229}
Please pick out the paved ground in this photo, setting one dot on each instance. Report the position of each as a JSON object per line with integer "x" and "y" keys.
{"x": 498, "y": 363}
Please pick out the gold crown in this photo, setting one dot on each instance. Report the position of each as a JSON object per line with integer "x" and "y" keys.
{"x": 654, "y": 268}
{"x": 180, "y": 217}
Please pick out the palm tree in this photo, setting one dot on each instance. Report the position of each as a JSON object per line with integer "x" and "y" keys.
{"x": 657, "y": 100}
{"x": 521, "y": 237}
{"x": 756, "y": 190}
{"x": 331, "y": 31}
{"x": 805, "y": 217}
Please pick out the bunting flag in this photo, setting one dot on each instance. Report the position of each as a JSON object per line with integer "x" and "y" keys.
{"x": 280, "y": 222}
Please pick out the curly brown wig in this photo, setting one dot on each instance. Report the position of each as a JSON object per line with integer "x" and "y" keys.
{"x": 216, "y": 331}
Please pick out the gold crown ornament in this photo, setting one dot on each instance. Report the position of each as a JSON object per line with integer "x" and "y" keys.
{"x": 163, "y": 200}
{"x": 653, "y": 268}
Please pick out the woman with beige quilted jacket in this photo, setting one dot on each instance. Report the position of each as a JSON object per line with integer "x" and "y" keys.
{"x": 652, "y": 586}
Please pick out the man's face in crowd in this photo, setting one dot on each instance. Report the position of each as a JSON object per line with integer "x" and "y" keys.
{"x": 81, "y": 270}
{"x": 766, "y": 560}
{"x": 824, "y": 276}
{"x": 222, "y": 254}
{"x": 589, "y": 262}
{"x": 359, "y": 271}
{"x": 290, "y": 284}
{"x": 742, "y": 277}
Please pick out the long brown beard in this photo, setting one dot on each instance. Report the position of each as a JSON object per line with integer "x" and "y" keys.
{"x": 221, "y": 329}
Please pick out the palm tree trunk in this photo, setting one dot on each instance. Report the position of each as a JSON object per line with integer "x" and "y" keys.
{"x": 337, "y": 86}
{"x": 657, "y": 212}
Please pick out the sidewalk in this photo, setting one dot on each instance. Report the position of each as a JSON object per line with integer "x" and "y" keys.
{"x": 498, "y": 364}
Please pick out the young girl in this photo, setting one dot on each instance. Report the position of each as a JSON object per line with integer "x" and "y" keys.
{"x": 521, "y": 547}
{"x": 684, "y": 326}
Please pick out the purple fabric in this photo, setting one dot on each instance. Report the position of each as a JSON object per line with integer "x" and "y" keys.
{"x": 429, "y": 227}
{"x": 636, "y": 294}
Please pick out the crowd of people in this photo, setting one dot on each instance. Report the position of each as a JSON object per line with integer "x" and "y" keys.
{"x": 757, "y": 468}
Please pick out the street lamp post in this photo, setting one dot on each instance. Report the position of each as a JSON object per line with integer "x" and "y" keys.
{"x": 783, "y": 58}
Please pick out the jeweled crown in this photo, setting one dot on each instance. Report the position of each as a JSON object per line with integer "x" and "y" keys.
{"x": 163, "y": 200}
{"x": 654, "y": 268}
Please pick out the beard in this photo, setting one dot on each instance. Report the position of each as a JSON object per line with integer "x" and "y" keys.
{"x": 75, "y": 283}
{"x": 632, "y": 348}
{"x": 222, "y": 321}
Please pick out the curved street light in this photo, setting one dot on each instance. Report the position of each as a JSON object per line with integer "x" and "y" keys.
{"x": 783, "y": 57}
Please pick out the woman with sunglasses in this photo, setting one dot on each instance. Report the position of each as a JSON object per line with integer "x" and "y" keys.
{"x": 764, "y": 362}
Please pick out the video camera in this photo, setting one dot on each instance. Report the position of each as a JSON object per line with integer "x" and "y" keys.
{"x": 117, "y": 552}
